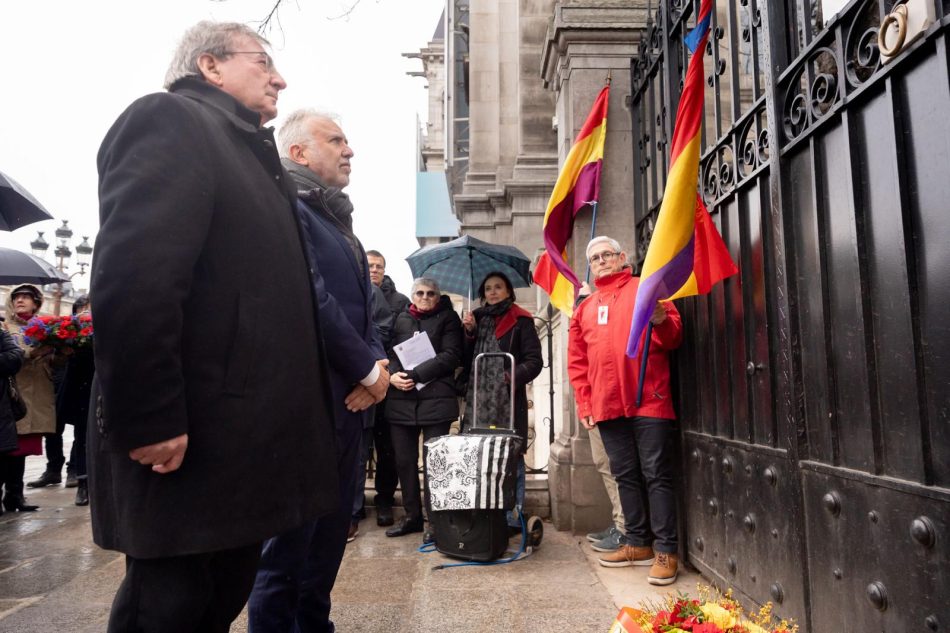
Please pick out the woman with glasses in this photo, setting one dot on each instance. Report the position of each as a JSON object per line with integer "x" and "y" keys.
{"x": 422, "y": 400}
{"x": 500, "y": 325}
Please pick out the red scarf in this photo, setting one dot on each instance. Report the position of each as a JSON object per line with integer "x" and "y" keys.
{"x": 508, "y": 320}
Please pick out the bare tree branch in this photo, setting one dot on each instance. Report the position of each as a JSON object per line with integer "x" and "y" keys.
{"x": 346, "y": 13}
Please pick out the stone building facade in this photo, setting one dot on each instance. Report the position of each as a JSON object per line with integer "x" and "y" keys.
{"x": 528, "y": 72}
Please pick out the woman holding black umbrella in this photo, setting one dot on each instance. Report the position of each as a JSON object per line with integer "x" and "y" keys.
{"x": 431, "y": 409}
{"x": 500, "y": 325}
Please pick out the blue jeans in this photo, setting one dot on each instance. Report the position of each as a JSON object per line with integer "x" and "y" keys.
{"x": 640, "y": 451}
{"x": 298, "y": 568}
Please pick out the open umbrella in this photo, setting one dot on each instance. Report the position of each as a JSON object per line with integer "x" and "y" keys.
{"x": 17, "y": 206}
{"x": 460, "y": 265}
{"x": 17, "y": 267}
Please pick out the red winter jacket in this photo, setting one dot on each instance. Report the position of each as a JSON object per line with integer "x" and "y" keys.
{"x": 604, "y": 379}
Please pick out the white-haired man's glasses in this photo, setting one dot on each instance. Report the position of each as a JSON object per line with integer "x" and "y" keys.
{"x": 602, "y": 257}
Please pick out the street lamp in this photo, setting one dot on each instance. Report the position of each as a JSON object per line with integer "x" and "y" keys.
{"x": 63, "y": 252}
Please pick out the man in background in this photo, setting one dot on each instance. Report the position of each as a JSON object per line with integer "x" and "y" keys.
{"x": 386, "y": 479}
{"x": 637, "y": 436}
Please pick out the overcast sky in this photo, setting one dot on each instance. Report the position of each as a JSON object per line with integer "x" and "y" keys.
{"x": 70, "y": 68}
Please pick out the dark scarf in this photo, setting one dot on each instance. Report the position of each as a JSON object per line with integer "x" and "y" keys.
{"x": 501, "y": 317}
{"x": 332, "y": 201}
{"x": 494, "y": 406}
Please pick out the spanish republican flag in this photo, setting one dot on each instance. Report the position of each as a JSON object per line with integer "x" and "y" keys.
{"x": 686, "y": 255}
{"x": 577, "y": 186}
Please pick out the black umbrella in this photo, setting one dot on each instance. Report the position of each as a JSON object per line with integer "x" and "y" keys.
{"x": 17, "y": 267}
{"x": 17, "y": 206}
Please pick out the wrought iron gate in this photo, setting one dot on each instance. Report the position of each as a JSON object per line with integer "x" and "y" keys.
{"x": 814, "y": 388}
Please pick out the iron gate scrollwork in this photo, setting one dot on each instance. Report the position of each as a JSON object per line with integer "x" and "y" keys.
{"x": 814, "y": 387}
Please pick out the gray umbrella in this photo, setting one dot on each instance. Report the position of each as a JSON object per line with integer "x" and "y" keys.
{"x": 17, "y": 267}
{"x": 17, "y": 206}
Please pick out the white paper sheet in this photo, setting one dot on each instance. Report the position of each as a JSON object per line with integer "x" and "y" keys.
{"x": 414, "y": 352}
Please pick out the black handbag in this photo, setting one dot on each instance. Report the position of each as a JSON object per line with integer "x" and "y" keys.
{"x": 17, "y": 404}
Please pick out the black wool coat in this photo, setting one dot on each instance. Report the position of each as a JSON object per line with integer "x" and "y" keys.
{"x": 522, "y": 342}
{"x": 199, "y": 244}
{"x": 437, "y": 401}
{"x": 11, "y": 359}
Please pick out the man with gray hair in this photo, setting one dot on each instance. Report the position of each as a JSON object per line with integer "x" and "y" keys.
{"x": 298, "y": 568}
{"x": 198, "y": 415}
{"x": 637, "y": 437}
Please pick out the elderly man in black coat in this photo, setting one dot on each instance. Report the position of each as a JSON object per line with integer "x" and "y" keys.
{"x": 198, "y": 411}
{"x": 298, "y": 568}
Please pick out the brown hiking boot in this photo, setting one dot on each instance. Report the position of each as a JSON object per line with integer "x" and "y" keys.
{"x": 664, "y": 569}
{"x": 627, "y": 556}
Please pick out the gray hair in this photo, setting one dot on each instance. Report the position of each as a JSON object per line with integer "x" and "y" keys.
{"x": 296, "y": 130}
{"x": 214, "y": 38}
{"x": 614, "y": 244}
{"x": 426, "y": 282}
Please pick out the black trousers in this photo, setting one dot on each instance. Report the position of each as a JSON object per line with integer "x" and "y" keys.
{"x": 640, "y": 451}
{"x": 386, "y": 478}
{"x": 406, "y": 445}
{"x": 198, "y": 593}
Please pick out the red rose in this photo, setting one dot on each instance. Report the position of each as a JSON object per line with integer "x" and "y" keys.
{"x": 86, "y": 331}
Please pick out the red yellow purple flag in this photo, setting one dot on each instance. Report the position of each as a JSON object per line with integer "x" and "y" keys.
{"x": 686, "y": 255}
{"x": 577, "y": 186}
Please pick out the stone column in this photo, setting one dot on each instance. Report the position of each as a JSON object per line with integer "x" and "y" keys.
{"x": 587, "y": 39}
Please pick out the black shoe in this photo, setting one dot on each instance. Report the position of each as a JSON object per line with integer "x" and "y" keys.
{"x": 18, "y": 504}
{"x": 405, "y": 526}
{"x": 71, "y": 480}
{"x": 384, "y": 516}
{"x": 48, "y": 478}
{"x": 428, "y": 536}
{"x": 82, "y": 492}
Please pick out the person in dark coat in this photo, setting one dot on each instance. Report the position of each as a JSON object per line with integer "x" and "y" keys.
{"x": 386, "y": 479}
{"x": 11, "y": 359}
{"x": 72, "y": 404}
{"x": 500, "y": 325}
{"x": 298, "y": 568}
{"x": 430, "y": 409}
{"x": 208, "y": 435}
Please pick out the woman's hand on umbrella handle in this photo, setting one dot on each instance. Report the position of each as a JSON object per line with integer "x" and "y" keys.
{"x": 468, "y": 322}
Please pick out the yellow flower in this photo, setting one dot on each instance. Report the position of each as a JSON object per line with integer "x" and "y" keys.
{"x": 723, "y": 618}
{"x": 753, "y": 628}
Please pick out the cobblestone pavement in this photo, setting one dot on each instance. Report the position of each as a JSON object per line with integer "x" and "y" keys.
{"x": 54, "y": 579}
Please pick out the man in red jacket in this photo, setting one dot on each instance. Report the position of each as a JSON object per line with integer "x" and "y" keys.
{"x": 638, "y": 440}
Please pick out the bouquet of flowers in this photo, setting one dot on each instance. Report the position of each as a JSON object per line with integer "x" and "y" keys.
{"x": 709, "y": 613}
{"x": 65, "y": 331}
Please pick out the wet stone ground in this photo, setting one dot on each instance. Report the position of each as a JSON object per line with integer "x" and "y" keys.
{"x": 54, "y": 579}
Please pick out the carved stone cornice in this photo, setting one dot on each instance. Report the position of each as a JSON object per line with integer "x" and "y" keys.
{"x": 591, "y": 28}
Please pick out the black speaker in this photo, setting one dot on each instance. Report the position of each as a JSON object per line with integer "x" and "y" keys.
{"x": 476, "y": 535}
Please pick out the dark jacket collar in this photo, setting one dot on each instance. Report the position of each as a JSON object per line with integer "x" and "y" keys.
{"x": 311, "y": 190}
{"x": 242, "y": 116}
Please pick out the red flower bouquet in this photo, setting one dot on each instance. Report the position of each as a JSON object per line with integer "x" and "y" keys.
{"x": 65, "y": 331}
{"x": 711, "y": 613}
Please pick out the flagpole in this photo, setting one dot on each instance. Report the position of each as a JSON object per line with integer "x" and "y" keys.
{"x": 643, "y": 363}
{"x": 593, "y": 228}
{"x": 593, "y": 206}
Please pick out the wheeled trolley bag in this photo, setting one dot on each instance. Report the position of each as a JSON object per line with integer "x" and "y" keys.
{"x": 471, "y": 478}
